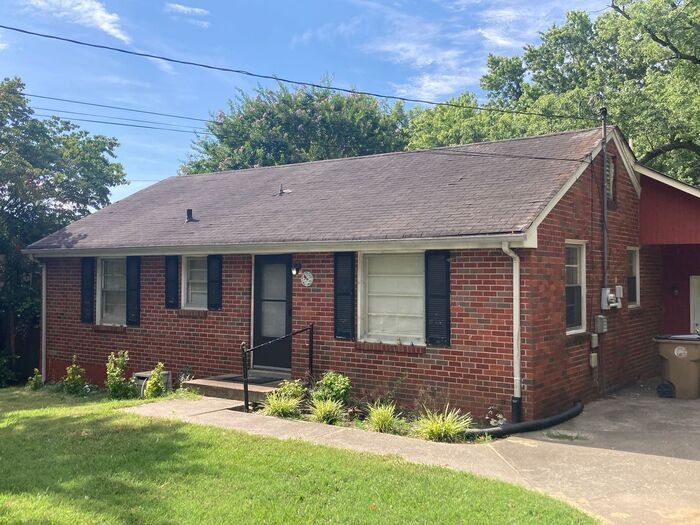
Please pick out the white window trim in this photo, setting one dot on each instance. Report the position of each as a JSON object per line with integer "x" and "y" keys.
{"x": 361, "y": 300}
{"x": 584, "y": 299}
{"x": 184, "y": 270}
{"x": 98, "y": 296}
{"x": 638, "y": 302}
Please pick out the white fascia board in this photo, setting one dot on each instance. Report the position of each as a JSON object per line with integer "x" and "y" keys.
{"x": 517, "y": 240}
{"x": 627, "y": 159}
{"x": 665, "y": 179}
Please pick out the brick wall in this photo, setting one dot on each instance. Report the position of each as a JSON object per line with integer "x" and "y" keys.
{"x": 207, "y": 345}
{"x": 556, "y": 366}
{"x": 475, "y": 372}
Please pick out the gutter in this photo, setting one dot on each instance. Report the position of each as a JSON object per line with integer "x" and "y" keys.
{"x": 525, "y": 240}
{"x": 516, "y": 400}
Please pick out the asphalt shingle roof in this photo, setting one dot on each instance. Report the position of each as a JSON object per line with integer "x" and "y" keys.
{"x": 476, "y": 189}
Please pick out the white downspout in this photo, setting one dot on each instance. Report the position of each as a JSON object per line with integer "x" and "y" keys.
{"x": 43, "y": 320}
{"x": 516, "y": 404}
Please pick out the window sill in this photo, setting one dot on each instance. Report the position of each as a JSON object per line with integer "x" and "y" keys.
{"x": 369, "y": 346}
{"x": 109, "y": 328}
{"x": 577, "y": 331}
{"x": 634, "y": 306}
{"x": 189, "y": 313}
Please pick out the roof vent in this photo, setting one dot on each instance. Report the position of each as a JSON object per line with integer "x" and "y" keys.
{"x": 189, "y": 218}
{"x": 283, "y": 191}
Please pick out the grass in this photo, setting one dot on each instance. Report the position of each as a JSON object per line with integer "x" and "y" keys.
{"x": 69, "y": 460}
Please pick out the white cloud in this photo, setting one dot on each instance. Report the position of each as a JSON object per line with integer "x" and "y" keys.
{"x": 431, "y": 86}
{"x": 3, "y": 44}
{"x": 185, "y": 10}
{"x": 88, "y": 13}
{"x": 200, "y": 23}
{"x": 116, "y": 80}
{"x": 500, "y": 37}
{"x": 327, "y": 32}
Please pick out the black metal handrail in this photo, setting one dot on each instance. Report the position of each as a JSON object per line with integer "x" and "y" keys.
{"x": 245, "y": 352}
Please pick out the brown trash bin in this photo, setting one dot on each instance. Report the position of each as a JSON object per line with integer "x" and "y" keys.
{"x": 681, "y": 363}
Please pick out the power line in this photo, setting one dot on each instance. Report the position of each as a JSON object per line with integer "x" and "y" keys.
{"x": 287, "y": 80}
{"x": 128, "y": 125}
{"x": 120, "y": 108}
{"x": 115, "y": 117}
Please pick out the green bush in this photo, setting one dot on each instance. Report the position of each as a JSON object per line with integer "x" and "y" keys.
{"x": 7, "y": 376}
{"x": 292, "y": 389}
{"x": 74, "y": 382}
{"x": 279, "y": 405}
{"x": 332, "y": 386}
{"x": 448, "y": 426}
{"x": 382, "y": 417}
{"x": 118, "y": 386}
{"x": 35, "y": 381}
{"x": 329, "y": 411}
{"x": 155, "y": 386}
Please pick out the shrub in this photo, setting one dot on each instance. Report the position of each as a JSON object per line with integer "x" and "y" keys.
{"x": 448, "y": 426}
{"x": 35, "y": 381}
{"x": 292, "y": 389}
{"x": 155, "y": 386}
{"x": 329, "y": 411}
{"x": 118, "y": 386}
{"x": 332, "y": 386}
{"x": 278, "y": 405}
{"x": 7, "y": 376}
{"x": 382, "y": 417}
{"x": 74, "y": 382}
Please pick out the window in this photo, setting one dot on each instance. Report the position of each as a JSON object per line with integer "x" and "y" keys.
{"x": 575, "y": 284}
{"x": 632, "y": 276}
{"x": 393, "y": 298}
{"x": 610, "y": 178}
{"x": 113, "y": 291}
{"x": 194, "y": 284}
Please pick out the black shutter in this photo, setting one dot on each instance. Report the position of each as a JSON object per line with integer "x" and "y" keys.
{"x": 214, "y": 282}
{"x": 87, "y": 289}
{"x": 172, "y": 282}
{"x": 344, "y": 295}
{"x": 133, "y": 291}
{"x": 437, "y": 298}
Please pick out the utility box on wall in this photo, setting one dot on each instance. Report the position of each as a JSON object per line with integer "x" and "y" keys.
{"x": 611, "y": 298}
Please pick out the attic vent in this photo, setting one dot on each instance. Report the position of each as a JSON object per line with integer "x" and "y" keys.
{"x": 189, "y": 217}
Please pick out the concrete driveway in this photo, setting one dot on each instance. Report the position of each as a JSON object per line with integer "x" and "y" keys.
{"x": 631, "y": 458}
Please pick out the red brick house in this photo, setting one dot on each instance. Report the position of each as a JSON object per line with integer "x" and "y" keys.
{"x": 470, "y": 275}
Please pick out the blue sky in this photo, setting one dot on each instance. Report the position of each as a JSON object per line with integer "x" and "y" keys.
{"x": 428, "y": 49}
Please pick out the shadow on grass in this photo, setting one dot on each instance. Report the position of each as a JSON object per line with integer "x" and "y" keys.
{"x": 96, "y": 460}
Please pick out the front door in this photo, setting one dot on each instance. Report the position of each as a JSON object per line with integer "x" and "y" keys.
{"x": 695, "y": 303}
{"x": 272, "y": 310}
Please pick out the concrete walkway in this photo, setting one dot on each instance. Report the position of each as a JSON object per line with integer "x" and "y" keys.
{"x": 621, "y": 479}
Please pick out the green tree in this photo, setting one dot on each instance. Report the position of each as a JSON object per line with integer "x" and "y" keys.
{"x": 51, "y": 173}
{"x": 283, "y": 126}
{"x": 642, "y": 55}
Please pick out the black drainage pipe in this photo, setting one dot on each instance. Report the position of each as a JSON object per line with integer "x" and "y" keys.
{"x": 528, "y": 426}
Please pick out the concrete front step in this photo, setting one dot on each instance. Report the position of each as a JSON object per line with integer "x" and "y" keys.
{"x": 213, "y": 387}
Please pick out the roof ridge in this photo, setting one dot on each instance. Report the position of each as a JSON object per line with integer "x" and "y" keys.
{"x": 388, "y": 153}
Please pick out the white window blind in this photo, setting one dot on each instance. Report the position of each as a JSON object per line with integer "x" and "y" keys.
{"x": 394, "y": 298}
{"x": 195, "y": 282}
{"x": 113, "y": 290}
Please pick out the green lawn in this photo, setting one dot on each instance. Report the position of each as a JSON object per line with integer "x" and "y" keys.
{"x": 68, "y": 460}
